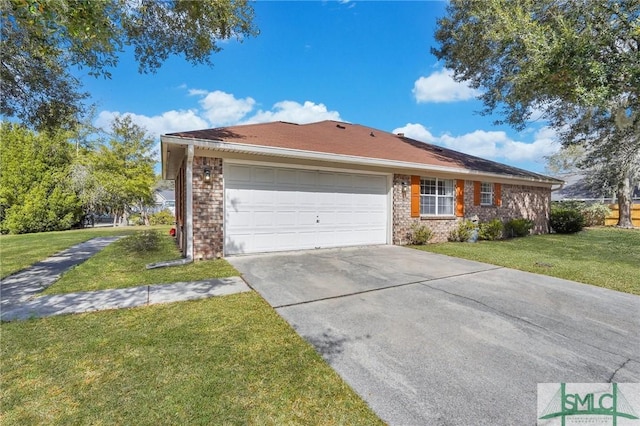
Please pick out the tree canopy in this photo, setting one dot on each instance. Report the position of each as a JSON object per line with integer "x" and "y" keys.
{"x": 35, "y": 194}
{"x": 574, "y": 62}
{"x": 41, "y": 40}
{"x": 123, "y": 168}
{"x": 50, "y": 182}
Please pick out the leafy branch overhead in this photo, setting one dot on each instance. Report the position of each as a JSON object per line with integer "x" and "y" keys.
{"x": 41, "y": 40}
{"x": 575, "y": 63}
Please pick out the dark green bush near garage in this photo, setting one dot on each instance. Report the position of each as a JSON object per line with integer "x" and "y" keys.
{"x": 565, "y": 220}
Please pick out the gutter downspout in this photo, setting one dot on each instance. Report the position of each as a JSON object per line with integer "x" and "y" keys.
{"x": 189, "y": 203}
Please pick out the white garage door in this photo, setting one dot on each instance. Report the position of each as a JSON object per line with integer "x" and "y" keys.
{"x": 275, "y": 209}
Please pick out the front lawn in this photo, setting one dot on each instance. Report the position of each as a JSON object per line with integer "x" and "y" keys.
{"x": 605, "y": 257}
{"x": 115, "y": 267}
{"x": 225, "y": 360}
{"x": 19, "y": 251}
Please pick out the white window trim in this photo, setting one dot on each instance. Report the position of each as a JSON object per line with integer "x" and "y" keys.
{"x": 491, "y": 193}
{"x": 438, "y": 197}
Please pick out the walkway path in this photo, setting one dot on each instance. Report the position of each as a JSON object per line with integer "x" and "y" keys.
{"x": 18, "y": 292}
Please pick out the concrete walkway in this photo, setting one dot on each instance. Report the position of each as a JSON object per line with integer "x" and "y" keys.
{"x": 25, "y": 284}
{"x": 90, "y": 301}
{"x": 18, "y": 291}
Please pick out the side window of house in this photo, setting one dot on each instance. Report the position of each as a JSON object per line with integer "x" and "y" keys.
{"x": 437, "y": 197}
{"x": 486, "y": 194}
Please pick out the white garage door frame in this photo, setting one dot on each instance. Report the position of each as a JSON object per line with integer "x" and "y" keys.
{"x": 388, "y": 190}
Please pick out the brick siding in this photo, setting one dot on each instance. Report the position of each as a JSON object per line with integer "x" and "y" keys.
{"x": 529, "y": 202}
{"x": 208, "y": 209}
{"x": 517, "y": 201}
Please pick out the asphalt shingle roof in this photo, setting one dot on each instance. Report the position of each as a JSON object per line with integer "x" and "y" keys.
{"x": 334, "y": 137}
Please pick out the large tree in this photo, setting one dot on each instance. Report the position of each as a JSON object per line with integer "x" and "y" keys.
{"x": 42, "y": 41}
{"x": 575, "y": 62}
{"x": 121, "y": 170}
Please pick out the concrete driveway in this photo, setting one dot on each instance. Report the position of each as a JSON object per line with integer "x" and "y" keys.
{"x": 427, "y": 339}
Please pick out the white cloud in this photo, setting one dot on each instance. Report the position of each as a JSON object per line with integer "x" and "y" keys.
{"x": 294, "y": 112}
{"x": 196, "y": 92}
{"x": 495, "y": 145}
{"x": 223, "y": 109}
{"x": 416, "y": 131}
{"x": 167, "y": 122}
{"x": 441, "y": 87}
{"x": 219, "y": 108}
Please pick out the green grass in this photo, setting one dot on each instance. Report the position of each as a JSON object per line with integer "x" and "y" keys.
{"x": 225, "y": 360}
{"x": 19, "y": 251}
{"x": 605, "y": 257}
{"x": 115, "y": 267}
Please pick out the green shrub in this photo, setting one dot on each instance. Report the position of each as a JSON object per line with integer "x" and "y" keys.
{"x": 143, "y": 241}
{"x": 463, "y": 231}
{"x": 42, "y": 211}
{"x": 566, "y": 221}
{"x": 595, "y": 214}
{"x": 491, "y": 230}
{"x": 135, "y": 219}
{"x": 519, "y": 227}
{"x": 420, "y": 234}
{"x": 164, "y": 217}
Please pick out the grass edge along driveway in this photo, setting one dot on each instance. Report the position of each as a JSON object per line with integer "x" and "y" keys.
{"x": 224, "y": 360}
{"x": 605, "y": 256}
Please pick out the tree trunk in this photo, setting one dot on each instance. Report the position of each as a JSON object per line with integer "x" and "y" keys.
{"x": 624, "y": 204}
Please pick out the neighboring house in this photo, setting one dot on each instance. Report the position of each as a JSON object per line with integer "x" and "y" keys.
{"x": 576, "y": 188}
{"x": 282, "y": 186}
{"x": 164, "y": 199}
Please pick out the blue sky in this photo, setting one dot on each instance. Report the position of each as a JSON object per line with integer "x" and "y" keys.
{"x": 364, "y": 62}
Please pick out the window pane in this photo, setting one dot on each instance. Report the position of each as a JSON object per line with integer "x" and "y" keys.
{"x": 428, "y": 204}
{"x": 448, "y": 187}
{"x": 486, "y": 194}
{"x": 427, "y": 186}
{"x": 445, "y": 205}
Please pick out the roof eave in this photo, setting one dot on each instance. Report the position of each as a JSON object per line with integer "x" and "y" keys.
{"x": 239, "y": 147}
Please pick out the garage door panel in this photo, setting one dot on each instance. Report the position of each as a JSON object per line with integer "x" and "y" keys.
{"x": 235, "y": 173}
{"x": 263, "y": 219}
{"x": 326, "y": 179}
{"x": 286, "y": 198}
{"x": 260, "y": 197}
{"x": 286, "y": 177}
{"x": 265, "y": 175}
{"x": 272, "y": 209}
{"x": 307, "y": 179}
{"x": 285, "y": 219}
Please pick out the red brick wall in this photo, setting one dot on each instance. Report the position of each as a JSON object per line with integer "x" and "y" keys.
{"x": 208, "y": 209}
{"x": 517, "y": 201}
{"x": 529, "y": 202}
